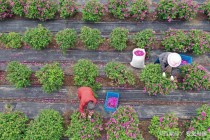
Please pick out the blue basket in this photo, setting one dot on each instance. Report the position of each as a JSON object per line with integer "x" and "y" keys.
{"x": 186, "y": 58}
{"x": 108, "y": 95}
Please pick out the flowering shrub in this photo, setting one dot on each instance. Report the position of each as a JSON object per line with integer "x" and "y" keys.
{"x": 5, "y": 10}
{"x": 167, "y": 9}
{"x": 119, "y": 8}
{"x": 67, "y": 8}
{"x": 11, "y": 40}
{"x": 187, "y": 9}
{"x": 38, "y": 38}
{"x": 199, "y": 127}
{"x": 48, "y": 125}
{"x": 84, "y": 128}
{"x": 176, "y": 40}
{"x": 13, "y": 125}
{"x": 139, "y": 9}
{"x": 119, "y": 38}
{"x": 199, "y": 41}
{"x": 154, "y": 82}
{"x": 93, "y": 11}
{"x": 119, "y": 74}
{"x": 206, "y": 8}
{"x": 85, "y": 74}
{"x": 165, "y": 128}
{"x": 194, "y": 78}
{"x": 123, "y": 125}
{"x": 40, "y": 9}
{"x": 66, "y": 38}
{"x": 91, "y": 37}
{"x": 18, "y": 7}
{"x": 145, "y": 39}
{"x": 51, "y": 77}
{"x": 18, "y": 74}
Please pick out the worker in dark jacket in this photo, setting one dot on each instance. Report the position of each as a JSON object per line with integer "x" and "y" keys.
{"x": 169, "y": 59}
{"x": 87, "y": 100}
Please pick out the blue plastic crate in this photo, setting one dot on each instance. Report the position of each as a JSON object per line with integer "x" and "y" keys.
{"x": 186, "y": 58}
{"x": 108, "y": 95}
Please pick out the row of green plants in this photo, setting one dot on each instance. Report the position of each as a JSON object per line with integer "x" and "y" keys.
{"x": 123, "y": 124}
{"x": 93, "y": 10}
{"x": 193, "y": 41}
{"x": 85, "y": 72}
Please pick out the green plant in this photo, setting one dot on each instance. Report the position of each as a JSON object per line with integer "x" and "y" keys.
{"x": 187, "y": 9}
{"x": 154, "y": 82}
{"x": 84, "y": 128}
{"x": 119, "y": 74}
{"x": 93, "y": 11}
{"x": 66, "y": 38}
{"x": 51, "y": 77}
{"x": 119, "y": 8}
{"x": 13, "y": 125}
{"x": 206, "y": 8}
{"x": 194, "y": 78}
{"x": 11, "y": 40}
{"x": 119, "y": 38}
{"x": 167, "y": 9}
{"x": 165, "y": 128}
{"x": 199, "y": 127}
{"x": 18, "y": 7}
{"x": 48, "y": 125}
{"x": 40, "y": 9}
{"x": 145, "y": 39}
{"x": 85, "y": 74}
{"x": 5, "y": 9}
{"x": 91, "y": 37}
{"x": 139, "y": 9}
{"x": 199, "y": 41}
{"x": 176, "y": 40}
{"x": 18, "y": 74}
{"x": 38, "y": 38}
{"x": 123, "y": 125}
{"x": 67, "y": 8}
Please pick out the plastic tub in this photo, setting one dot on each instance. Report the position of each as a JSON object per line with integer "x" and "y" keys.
{"x": 186, "y": 58}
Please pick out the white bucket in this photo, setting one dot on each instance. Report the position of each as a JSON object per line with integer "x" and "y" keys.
{"x": 138, "y": 61}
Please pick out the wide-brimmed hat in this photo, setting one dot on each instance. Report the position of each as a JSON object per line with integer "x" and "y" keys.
{"x": 174, "y": 59}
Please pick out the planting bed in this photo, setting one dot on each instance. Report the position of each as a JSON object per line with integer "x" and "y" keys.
{"x": 32, "y": 99}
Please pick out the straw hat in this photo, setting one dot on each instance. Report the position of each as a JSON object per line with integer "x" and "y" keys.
{"x": 174, "y": 59}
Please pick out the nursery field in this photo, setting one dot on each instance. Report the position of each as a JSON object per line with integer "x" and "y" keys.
{"x": 50, "y": 48}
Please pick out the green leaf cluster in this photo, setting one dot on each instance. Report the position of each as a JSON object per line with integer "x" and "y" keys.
{"x": 12, "y": 125}
{"x": 11, "y": 40}
{"x": 85, "y": 74}
{"x": 119, "y": 38}
{"x": 91, "y": 37}
{"x": 165, "y": 128}
{"x": 154, "y": 82}
{"x": 4, "y": 9}
{"x": 139, "y": 9}
{"x": 18, "y": 74}
{"x": 38, "y": 38}
{"x": 84, "y": 128}
{"x": 66, "y": 38}
{"x": 67, "y": 8}
{"x": 18, "y": 7}
{"x": 119, "y": 74}
{"x": 48, "y": 125}
{"x": 93, "y": 11}
{"x": 51, "y": 77}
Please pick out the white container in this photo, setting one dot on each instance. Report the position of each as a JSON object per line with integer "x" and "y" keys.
{"x": 138, "y": 61}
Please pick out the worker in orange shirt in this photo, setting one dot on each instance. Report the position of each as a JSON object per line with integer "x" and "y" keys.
{"x": 87, "y": 100}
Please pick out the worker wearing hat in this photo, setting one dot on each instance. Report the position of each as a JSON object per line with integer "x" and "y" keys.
{"x": 169, "y": 59}
{"x": 87, "y": 100}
